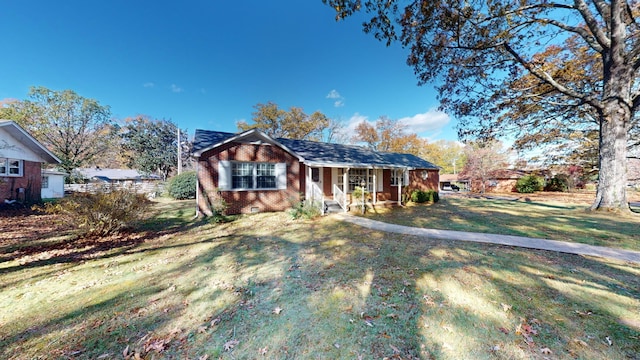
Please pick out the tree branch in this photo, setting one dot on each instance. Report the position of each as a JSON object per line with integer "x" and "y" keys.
{"x": 592, "y": 22}
{"x": 548, "y": 79}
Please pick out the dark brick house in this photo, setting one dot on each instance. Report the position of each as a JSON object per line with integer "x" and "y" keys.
{"x": 253, "y": 172}
{"x": 21, "y": 159}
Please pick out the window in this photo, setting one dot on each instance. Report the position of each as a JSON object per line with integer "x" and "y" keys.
{"x": 45, "y": 182}
{"x": 397, "y": 178}
{"x": 355, "y": 178}
{"x": 245, "y": 175}
{"x": 315, "y": 174}
{"x": 266, "y": 174}
{"x": 242, "y": 176}
{"x": 10, "y": 167}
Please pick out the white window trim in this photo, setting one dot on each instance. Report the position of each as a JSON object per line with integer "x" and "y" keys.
{"x": 225, "y": 182}
{"x": 7, "y": 170}
{"x": 399, "y": 174}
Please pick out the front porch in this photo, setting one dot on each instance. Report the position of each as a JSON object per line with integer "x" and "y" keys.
{"x": 332, "y": 188}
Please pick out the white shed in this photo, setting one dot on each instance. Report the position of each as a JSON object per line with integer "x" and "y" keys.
{"x": 52, "y": 184}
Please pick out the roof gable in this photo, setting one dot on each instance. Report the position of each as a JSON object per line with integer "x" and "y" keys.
{"x": 28, "y": 141}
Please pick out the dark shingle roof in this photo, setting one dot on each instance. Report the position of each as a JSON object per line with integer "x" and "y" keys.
{"x": 326, "y": 154}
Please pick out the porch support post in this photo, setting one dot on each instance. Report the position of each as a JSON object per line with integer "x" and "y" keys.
{"x": 345, "y": 186}
{"x": 375, "y": 185}
{"x": 309, "y": 185}
{"x": 400, "y": 178}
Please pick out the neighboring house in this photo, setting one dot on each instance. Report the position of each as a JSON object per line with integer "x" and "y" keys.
{"x": 633, "y": 172}
{"x": 450, "y": 182}
{"x": 113, "y": 176}
{"x": 253, "y": 172}
{"x": 52, "y": 184}
{"x": 118, "y": 178}
{"x": 21, "y": 158}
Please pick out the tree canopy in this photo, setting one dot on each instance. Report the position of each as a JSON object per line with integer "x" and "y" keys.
{"x": 540, "y": 70}
{"x": 151, "y": 145}
{"x": 76, "y": 129}
{"x": 483, "y": 159}
{"x": 388, "y": 135}
{"x": 292, "y": 124}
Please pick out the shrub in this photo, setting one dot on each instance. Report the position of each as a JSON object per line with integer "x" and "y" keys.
{"x": 183, "y": 186}
{"x": 557, "y": 183}
{"x": 305, "y": 210}
{"x": 104, "y": 212}
{"x": 420, "y": 196}
{"x": 529, "y": 184}
{"x": 356, "y": 195}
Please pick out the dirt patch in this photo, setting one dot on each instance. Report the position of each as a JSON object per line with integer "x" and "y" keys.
{"x": 31, "y": 237}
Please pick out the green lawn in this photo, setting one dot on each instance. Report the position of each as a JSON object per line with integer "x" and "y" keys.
{"x": 264, "y": 286}
{"x": 556, "y": 221}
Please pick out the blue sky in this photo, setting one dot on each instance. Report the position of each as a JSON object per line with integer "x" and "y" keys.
{"x": 205, "y": 64}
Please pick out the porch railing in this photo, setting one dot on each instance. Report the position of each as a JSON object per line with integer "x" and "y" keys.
{"x": 317, "y": 197}
{"x": 339, "y": 197}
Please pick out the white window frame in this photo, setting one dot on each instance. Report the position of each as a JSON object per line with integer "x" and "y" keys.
{"x": 355, "y": 178}
{"x": 226, "y": 171}
{"x": 45, "y": 182}
{"x": 398, "y": 175}
{"x": 8, "y": 165}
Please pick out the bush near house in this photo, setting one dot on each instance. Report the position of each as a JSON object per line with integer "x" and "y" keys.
{"x": 559, "y": 183}
{"x": 104, "y": 212}
{"x": 183, "y": 186}
{"x": 529, "y": 184}
{"x": 421, "y": 196}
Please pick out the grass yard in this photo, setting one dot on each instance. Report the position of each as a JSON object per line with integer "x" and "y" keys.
{"x": 540, "y": 219}
{"x": 266, "y": 287}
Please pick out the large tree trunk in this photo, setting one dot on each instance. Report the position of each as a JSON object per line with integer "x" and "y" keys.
{"x": 612, "y": 182}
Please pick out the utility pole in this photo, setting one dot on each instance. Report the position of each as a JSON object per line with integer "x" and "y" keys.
{"x": 179, "y": 152}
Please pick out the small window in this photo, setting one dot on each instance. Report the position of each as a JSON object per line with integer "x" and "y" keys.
{"x": 396, "y": 177}
{"x": 315, "y": 174}
{"x": 10, "y": 167}
{"x": 45, "y": 182}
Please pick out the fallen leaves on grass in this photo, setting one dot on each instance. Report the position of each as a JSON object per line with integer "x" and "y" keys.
{"x": 229, "y": 345}
{"x": 527, "y": 332}
{"x": 263, "y": 351}
{"x": 277, "y": 310}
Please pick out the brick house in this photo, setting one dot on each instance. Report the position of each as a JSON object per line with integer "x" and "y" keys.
{"x": 21, "y": 158}
{"x": 253, "y": 172}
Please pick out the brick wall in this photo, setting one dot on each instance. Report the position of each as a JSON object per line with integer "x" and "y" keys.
{"x": 31, "y": 182}
{"x": 247, "y": 201}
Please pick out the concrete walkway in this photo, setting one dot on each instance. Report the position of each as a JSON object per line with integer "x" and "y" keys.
{"x": 510, "y": 240}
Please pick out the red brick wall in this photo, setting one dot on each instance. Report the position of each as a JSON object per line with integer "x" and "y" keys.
{"x": 31, "y": 181}
{"x": 415, "y": 182}
{"x": 243, "y": 202}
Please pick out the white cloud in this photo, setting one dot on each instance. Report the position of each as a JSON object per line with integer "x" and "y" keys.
{"x": 176, "y": 89}
{"x": 431, "y": 120}
{"x": 149, "y": 85}
{"x": 335, "y": 95}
